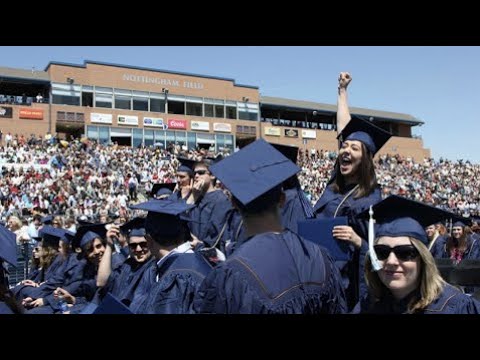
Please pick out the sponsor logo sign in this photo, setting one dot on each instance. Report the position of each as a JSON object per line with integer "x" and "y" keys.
{"x": 222, "y": 127}
{"x": 200, "y": 125}
{"x": 155, "y": 122}
{"x": 101, "y": 118}
{"x": 177, "y": 124}
{"x": 291, "y": 133}
{"x": 309, "y": 134}
{"x": 29, "y": 113}
{"x": 127, "y": 120}
{"x": 272, "y": 131}
{"x": 5, "y": 112}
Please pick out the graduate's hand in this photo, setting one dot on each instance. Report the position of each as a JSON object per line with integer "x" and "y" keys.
{"x": 113, "y": 232}
{"x": 343, "y": 80}
{"x": 346, "y": 233}
{"x": 69, "y": 298}
{"x": 29, "y": 283}
{"x": 195, "y": 241}
{"x": 27, "y": 301}
{"x": 37, "y": 303}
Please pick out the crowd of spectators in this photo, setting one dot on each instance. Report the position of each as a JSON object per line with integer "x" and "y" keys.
{"x": 83, "y": 178}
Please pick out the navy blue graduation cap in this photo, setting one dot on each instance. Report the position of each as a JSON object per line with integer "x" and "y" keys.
{"x": 213, "y": 160}
{"x": 51, "y": 235}
{"x": 8, "y": 246}
{"x": 47, "y": 220}
{"x": 291, "y": 152}
{"x": 83, "y": 220}
{"x": 134, "y": 227}
{"x": 186, "y": 165}
{"x": 462, "y": 222}
{"x": 369, "y": 134}
{"x": 164, "y": 217}
{"x": 67, "y": 237}
{"x": 254, "y": 170}
{"x": 398, "y": 216}
{"x": 162, "y": 189}
{"x": 88, "y": 232}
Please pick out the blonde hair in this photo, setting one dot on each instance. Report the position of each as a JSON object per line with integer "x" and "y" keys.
{"x": 431, "y": 283}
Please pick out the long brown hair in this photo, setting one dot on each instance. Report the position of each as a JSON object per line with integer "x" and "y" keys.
{"x": 461, "y": 245}
{"x": 367, "y": 179}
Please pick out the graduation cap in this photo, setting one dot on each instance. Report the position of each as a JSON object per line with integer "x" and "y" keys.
{"x": 462, "y": 222}
{"x": 466, "y": 273}
{"x": 67, "y": 237}
{"x": 8, "y": 246}
{"x": 88, "y": 232}
{"x": 83, "y": 220}
{"x": 162, "y": 189}
{"x": 369, "y": 134}
{"x": 213, "y": 160}
{"x": 165, "y": 217}
{"x": 109, "y": 305}
{"x": 291, "y": 152}
{"x": 254, "y": 170}
{"x": 397, "y": 216}
{"x": 51, "y": 236}
{"x": 186, "y": 165}
{"x": 134, "y": 227}
{"x": 47, "y": 220}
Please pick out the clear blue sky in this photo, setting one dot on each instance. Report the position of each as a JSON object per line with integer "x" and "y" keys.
{"x": 439, "y": 85}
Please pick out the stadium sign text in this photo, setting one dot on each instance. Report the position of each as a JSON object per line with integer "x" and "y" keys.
{"x": 162, "y": 81}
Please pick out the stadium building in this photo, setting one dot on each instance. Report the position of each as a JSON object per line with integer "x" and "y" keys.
{"x": 134, "y": 106}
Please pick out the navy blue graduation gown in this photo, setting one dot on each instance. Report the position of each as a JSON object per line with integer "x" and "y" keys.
{"x": 352, "y": 271}
{"x": 142, "y": 291}
{"x": 124, "y": 280}
{"x": 22, "y": 291}
{"x": 273, "y": 273}
{"x": 5, "y": 309}
{"x": 450, "y": 301}
{"x": 180, "y": 276}
{"x": 438, "y": 246}
{"x": 209, "y": 216}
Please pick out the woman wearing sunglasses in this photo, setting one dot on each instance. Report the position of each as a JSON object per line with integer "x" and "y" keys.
{"x": 400, "y": 271}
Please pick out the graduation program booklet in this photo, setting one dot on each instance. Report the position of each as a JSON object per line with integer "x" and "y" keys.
{"x": 319, "y": 231}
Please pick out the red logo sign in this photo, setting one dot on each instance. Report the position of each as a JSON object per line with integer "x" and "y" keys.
{"x": 177, "y": 124}
{"x": 29, "y": 113}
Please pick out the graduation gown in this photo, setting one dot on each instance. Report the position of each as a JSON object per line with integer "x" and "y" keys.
{"x": 23, "y": 291}
{"x": 209, "y": 216}
{"x": 352, "y": 270}
{"x": 180, "y": 276}
{"x": 273, "y": 273}
{"x": 124, "y": 280}
{"x": 450, "y": 301}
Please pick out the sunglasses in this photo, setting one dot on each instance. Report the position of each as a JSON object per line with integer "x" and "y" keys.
{"x": 402, "y": 252}
{"x": 133, "y": 246}
{"x": 200, "y": 172}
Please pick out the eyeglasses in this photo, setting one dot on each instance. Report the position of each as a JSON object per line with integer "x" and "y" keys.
{"x": 402, "y": 252}
{"x": 133, "y": 246}
{"x": 200, "y": 172}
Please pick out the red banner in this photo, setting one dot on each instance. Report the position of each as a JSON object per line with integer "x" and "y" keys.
{"x": 177, "y": 124}
{"x": 28, "y": 113}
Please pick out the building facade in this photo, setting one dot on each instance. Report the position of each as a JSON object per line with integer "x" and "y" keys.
{"x": 135, "y": 106}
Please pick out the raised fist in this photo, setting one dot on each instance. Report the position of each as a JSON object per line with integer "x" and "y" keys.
{"x": 343, "y": 80}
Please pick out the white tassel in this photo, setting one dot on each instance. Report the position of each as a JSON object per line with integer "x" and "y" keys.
{"x": 371, "y": 238}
